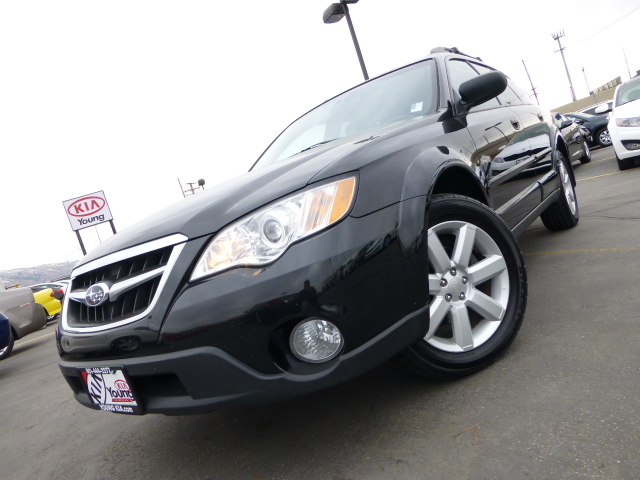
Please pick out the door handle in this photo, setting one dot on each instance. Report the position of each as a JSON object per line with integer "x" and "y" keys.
{"x": 541, "y": 117}
{"x": 516, "y": 123}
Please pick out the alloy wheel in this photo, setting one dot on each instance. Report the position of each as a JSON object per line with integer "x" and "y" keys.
{"x": 468, "y": 284}
{"x": 567, "y": 188}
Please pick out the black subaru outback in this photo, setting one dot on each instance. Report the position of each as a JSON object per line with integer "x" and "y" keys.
{"x": 380, "y": 224}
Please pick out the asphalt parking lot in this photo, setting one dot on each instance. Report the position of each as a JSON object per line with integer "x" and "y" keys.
{"x": 563, "y": 403}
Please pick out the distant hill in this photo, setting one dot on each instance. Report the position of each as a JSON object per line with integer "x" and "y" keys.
{"x": 28, "y": 276}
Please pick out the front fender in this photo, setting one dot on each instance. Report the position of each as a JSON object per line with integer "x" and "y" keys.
{"x": 420, "y": 183}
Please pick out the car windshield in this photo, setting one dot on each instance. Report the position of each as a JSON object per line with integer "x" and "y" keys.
{"x": 406, "y": 93}
{"x": 628, "y": 93}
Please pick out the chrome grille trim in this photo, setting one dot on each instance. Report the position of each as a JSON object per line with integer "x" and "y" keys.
{"x": 128, "y": 283}
{"x": 129, "y": 252}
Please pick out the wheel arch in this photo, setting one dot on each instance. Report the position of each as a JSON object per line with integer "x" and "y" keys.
{"x": 458, "y": 178}
{"x": 431, "y": 173}
{"x": 437, "y": 171}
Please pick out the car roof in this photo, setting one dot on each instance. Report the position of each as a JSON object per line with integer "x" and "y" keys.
{"x": 595, "y": 105}
{"x": 581, "y": 114}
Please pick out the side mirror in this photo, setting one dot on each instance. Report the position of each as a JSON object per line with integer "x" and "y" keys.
{"x": 481, "y": 89}
{"x": 601, "y": 109}
{"x": 565, "y": 123}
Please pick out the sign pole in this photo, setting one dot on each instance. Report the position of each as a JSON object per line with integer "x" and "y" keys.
{"x": 113, "y": 228}
{"x": 84, "y": 251}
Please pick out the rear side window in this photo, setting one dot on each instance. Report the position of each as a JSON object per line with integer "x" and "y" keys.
{"x": 506, "y": 98}
{"x": 524, "y": 96}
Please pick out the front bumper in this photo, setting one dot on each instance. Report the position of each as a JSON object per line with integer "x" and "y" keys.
{"x": 223, "y": 340}
{"x": 624, "y": 134}
{"x": 204, "y": 379}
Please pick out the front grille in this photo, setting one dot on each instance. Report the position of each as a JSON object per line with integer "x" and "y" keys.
{"x": 131, "y": 302}
{"x": 124, "y": 269}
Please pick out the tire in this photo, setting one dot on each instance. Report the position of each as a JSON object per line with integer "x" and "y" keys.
{"x": 586, "y": 153}
{"x": 5, "y": 352}
{"x": 625, "y": 164}
{"x": 472, "y": 321}
{"x": 565, "y": 213}
{"x": 603, "y": 138}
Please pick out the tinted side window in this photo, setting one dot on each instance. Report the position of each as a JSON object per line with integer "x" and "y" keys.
{"x": 524, "y": 96}
{"x": 506, "y": 98}
{"x": 459, "y": 72}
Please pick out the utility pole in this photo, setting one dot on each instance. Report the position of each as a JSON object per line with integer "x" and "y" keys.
{"x": 533, "y": 89}
{"x": 191, "y": 189}
{"x": 588, "y": 89}
{"x": 625, "y": 61}
{"x": 557, "y": 36}
{"x": 585, "y": 81}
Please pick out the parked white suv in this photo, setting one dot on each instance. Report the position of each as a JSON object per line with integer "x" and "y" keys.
{"x": 624, "y": 124}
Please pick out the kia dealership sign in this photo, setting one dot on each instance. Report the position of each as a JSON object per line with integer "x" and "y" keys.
{"x": 88, "y": 210}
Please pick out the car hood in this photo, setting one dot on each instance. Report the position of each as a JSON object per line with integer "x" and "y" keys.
{"x": 631, "y": 109}
{"x": 207, "y": 212}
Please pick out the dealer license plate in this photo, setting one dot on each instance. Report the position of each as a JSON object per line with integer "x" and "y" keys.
{"x": 110, "y": 390}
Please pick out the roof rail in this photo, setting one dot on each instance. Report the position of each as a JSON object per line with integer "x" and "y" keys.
{"x": 451, "y": 50}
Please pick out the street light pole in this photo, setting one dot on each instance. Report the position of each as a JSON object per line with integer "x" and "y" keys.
{"x": 334, "y": 14}
{"x": 355, "y": 43}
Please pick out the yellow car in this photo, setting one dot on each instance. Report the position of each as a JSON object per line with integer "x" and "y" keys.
{"x": 52, "y": 305}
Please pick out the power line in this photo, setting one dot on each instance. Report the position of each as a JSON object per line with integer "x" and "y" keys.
{"x": 623, "y": 17}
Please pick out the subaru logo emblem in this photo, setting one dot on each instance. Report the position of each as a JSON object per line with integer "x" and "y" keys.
{"x": 96, "y": 294}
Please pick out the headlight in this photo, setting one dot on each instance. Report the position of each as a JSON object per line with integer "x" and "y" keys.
{"x": 628, "y": 122}
{"x": 262, "y": 237}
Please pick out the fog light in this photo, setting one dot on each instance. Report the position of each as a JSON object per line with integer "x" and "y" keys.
{"x": 631, "y": 144}
{"x": 315, "y": 341}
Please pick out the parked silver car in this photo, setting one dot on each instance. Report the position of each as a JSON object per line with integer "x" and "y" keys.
{"x": 24, "y": 314}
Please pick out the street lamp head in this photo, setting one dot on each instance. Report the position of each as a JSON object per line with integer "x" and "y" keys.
{"x": 333, "y": 13}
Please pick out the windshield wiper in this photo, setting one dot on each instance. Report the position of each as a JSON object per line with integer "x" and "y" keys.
{"x": 317, "y": 145}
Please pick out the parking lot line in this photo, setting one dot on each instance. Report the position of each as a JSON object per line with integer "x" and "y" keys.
{"x": 583, "y": 250}
{"x": 603, "y": 175}
{"x": 34, "y": 339}
{"x": 602, "y": 160}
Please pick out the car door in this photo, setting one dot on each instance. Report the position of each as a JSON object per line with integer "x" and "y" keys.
{"x": 570, "y": 131}
{"x": 503, "y": 149}
{"x": 538, "y": 123}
